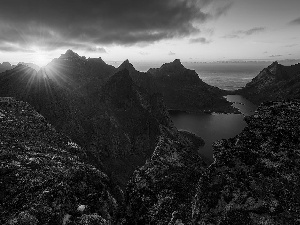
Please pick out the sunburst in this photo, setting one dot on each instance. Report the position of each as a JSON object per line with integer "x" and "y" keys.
{"x": 40, "y": 58}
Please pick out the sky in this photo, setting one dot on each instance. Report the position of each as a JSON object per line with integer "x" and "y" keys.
{"x": 37, "y": 31}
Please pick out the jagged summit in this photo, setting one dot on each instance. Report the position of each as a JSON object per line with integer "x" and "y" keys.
{"x": 174, "y": 66}
{"x": 177, "y": 61}
{"x": 126, "y": 65}
{"x": 69, "y": 55}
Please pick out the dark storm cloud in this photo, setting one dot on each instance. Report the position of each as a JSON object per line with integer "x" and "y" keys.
{"x": 89, "y": 23}
{"x": 243, "y": 33}
{"x": 295, "y": 21}
{"x": 201, "y": 40}
{"x": 10, "y": 48}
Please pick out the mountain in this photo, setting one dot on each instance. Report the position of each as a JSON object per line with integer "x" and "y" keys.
{"x": 276, "y": 82}
{"x": 44, "y": 177}
{"x": 5, "y": 66}
{"x": 183, "y": 90}
{"x": 108, "y": 114}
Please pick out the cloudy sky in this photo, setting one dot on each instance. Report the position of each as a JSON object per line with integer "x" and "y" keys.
{"x": 150, "y": 30}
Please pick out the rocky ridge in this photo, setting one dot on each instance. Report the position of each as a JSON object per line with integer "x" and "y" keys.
{"x": 255, "y": 177}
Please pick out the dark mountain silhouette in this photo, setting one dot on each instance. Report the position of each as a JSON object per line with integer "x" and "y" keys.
{"x": 184, "y": 90}
{"x": 5, "y": 66}
{"x": 276, "y": 82}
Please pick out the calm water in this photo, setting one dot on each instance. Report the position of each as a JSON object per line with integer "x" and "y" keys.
{"x": 216, "y": 126}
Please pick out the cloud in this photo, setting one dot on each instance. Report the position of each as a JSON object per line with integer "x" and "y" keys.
{"x": 96, "y": 49}
{"x": 171, "y": 53}
{"x": 13, "y": 48}
{"x": 273, "y": 56}
{"x": 295, "y": 21}
{"x": 290, "y": 45}
{"x": 201, "y": 40}
{"x": 244, "y": 33}
{"x": 222, "y": 10}
{"x": 87, "y": 23}
{"x": 144, "y": 53}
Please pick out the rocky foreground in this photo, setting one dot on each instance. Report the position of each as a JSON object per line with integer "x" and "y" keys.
{"x": 46, "y": 178}
{"x": 43, "y": 177}
{"x": 255, "y": 178}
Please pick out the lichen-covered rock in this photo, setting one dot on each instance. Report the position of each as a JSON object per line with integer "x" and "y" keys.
{"x": 255, "y": 178}
{"x": 162, "y": 190}
{"x": 43, "y": 179}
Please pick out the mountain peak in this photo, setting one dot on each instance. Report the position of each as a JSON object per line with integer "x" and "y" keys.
{"x": 177, "y": 61}
{"x": 69, "y": 55}
{"x": 127, "y": 65}
{"x": 274, "y": 67}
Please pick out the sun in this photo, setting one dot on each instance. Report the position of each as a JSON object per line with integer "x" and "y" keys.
{"x": 41, "y": 59}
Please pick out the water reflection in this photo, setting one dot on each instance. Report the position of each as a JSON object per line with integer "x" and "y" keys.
{"x": 217, "y": 126}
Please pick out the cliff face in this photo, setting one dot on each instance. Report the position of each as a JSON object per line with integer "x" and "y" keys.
{"x": 276, "y": 82}
{"x": 184, "y": 90}
{"x": 161, "y": 191}
{"x": 255, "y": 177}
{"x": 127, "y": 129}
{"x": 43, "y": 177}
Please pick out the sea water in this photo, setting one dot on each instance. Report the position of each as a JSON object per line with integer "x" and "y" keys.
{"x": 213, "y": 127}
